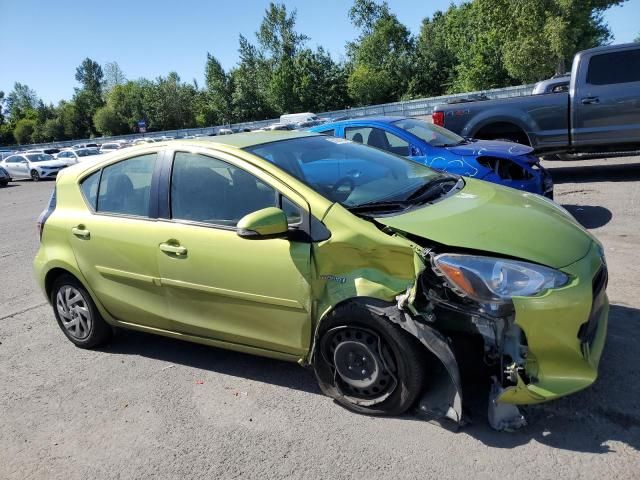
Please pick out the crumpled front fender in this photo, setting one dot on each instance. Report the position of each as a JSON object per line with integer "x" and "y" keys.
{"x": 443, "y": 396}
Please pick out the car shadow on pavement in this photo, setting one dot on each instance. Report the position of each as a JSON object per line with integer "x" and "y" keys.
{"x": 590, "y": 216}
{"x": 616, "y": 172}
{"x": 608, "y": 411}
{"x": 227, "y": 362}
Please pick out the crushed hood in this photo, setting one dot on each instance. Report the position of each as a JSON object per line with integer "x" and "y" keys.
{"x": 493, "y": 147}
{"x": 499, "y": 220}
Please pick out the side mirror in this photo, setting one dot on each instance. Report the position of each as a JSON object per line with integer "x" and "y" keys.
{"x": 267, "y": 223}
{"x": 415, "y": 151}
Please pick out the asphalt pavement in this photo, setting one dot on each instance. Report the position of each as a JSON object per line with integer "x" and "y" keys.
{"x": 151, "y": 407}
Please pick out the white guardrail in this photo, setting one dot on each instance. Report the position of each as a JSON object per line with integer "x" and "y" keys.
{"x": 408, "y": 108}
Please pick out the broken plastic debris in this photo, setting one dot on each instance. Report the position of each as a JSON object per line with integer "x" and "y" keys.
{"x": 199, "y": 382}
{"x": 503, "y": 417}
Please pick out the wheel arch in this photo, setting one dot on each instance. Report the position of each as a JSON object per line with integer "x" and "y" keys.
{"x": 58, "y": 269}
{"x": 444, "y": 399}
{"x": 502, "y": 129}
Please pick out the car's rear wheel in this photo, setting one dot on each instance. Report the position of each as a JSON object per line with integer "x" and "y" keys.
{"x": 35, "y": 176}
{"x": 368, "y": 364}
{"x": 4, "y": 183}
{"x": 77, "y": 315}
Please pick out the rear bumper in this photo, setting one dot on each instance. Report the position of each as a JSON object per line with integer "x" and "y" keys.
{"x": 565, "y": 331}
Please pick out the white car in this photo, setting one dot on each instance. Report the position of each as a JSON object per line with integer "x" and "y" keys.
{"x": 35, "y": 166}
{"x": 111, "y": 147}
{"x": 71, "y": 157}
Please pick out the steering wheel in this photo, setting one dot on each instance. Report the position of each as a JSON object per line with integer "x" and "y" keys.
{"x": 342, "y": 182}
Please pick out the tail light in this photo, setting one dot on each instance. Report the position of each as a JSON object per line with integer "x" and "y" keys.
{"x": 438, "y": 118}
{"x": 46, "y": 213}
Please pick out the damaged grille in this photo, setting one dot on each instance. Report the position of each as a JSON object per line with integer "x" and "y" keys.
{"x": 505, "y": 169}
{"x": 587, "y": 331}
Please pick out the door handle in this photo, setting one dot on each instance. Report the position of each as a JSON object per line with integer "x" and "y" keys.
{"x": 81, "y": 232}
{"x": 589, "y": 100}
{"x": 171, "y": 248}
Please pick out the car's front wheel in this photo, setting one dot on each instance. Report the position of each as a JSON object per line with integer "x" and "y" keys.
{"x": 35, "y": 176}
{"x": 368, "y": 364}
{"x": 77, "y": 315}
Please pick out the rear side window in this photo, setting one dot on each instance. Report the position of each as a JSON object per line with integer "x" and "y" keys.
{"x": 125, "y": 186}
{"x": 89, "y": 189}
{"x": 616, "y": 67}
{"x": 331, "y": 131}
{"x": 376, "y": 137}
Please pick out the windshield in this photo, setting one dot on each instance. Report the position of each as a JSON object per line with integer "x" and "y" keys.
{"x": 432, "y": 134}
{"x": 39, "y": 157}
{"x": 348, "y": 172}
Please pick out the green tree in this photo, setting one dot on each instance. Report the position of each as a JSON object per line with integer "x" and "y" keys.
{"x": 113, "y": 75}
{"x": 435, "y": 59}
{"x": 382, "y": 57}
{"x": 250, "y": 80}
{"x": 281, "y": 43}
{"x": 108, "y": 122}
{"x": 53, "y": 130}
{"x": 320, "y": 83}
{"x": 88, "y": 98}
{"x": 24, "y": 130}
{"x": 216, "y": 100}
{"x": 21, "y": 102}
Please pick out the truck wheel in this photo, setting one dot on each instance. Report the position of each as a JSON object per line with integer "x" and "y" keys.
{"x": 367, "y": 364}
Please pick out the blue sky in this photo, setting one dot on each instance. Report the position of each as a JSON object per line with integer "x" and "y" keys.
{"x": 44, "y": 41}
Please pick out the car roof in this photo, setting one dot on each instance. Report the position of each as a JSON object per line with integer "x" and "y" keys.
{"x": 247, "y": 139}
{"x": 234, "y": 141}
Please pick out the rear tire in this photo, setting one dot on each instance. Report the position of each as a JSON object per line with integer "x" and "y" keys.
{"x": 3, "y": 184}
{"x": 77, "y": 315}
{"x": 352, "y": 341}
{"x": 35, "y": 176}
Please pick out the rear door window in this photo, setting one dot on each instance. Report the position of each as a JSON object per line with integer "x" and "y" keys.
{"x": 89, "y": 189}
{"x": 615, "y": 67}
{"x": 378, "y": 138}
{"x": 125, "y": 186}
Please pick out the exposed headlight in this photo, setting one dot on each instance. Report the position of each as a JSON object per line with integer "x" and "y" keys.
{"x": 495, "y": 280}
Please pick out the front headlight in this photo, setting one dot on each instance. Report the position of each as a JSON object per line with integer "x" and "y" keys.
{"x": 491, "y": 280}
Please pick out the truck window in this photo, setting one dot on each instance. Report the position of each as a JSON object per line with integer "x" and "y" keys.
{"x": 615, "y": 67}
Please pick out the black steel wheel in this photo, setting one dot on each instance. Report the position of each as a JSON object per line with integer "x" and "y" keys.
{"x": 367, "y": 363}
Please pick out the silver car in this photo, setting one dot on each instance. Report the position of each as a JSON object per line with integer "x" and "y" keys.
{"x": 35, "y": 166}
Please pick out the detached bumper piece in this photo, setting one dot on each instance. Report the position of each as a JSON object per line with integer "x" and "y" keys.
{"x": 443, "y": 398}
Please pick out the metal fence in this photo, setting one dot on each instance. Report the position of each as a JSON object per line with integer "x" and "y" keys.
{"x": 409, "y": 108}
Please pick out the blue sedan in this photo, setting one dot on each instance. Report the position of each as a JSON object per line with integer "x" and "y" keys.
{"x": 505, "y": 163}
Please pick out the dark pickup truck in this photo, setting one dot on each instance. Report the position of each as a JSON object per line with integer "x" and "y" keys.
{"x": 599, "y": 113}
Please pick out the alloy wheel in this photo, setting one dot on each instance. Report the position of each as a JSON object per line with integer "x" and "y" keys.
{"x": 74, "y": 312}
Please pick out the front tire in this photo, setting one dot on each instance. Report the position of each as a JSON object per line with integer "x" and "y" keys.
{"x": 367, "y": 364}
{"x": 77, "y": 315}
{"x": 35, "y": 176}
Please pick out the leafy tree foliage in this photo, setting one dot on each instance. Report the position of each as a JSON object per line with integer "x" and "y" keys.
{"x": 382, "y": 57}
{"x": 23, "y": 131}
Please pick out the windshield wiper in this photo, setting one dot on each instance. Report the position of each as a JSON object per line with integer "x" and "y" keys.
{"x": 433, "y": 189}
{"x": 379, "y": 207}
{"x": 457, "y": 144}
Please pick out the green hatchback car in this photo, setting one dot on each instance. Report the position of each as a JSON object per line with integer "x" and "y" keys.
{"x": 359, "y": 263}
